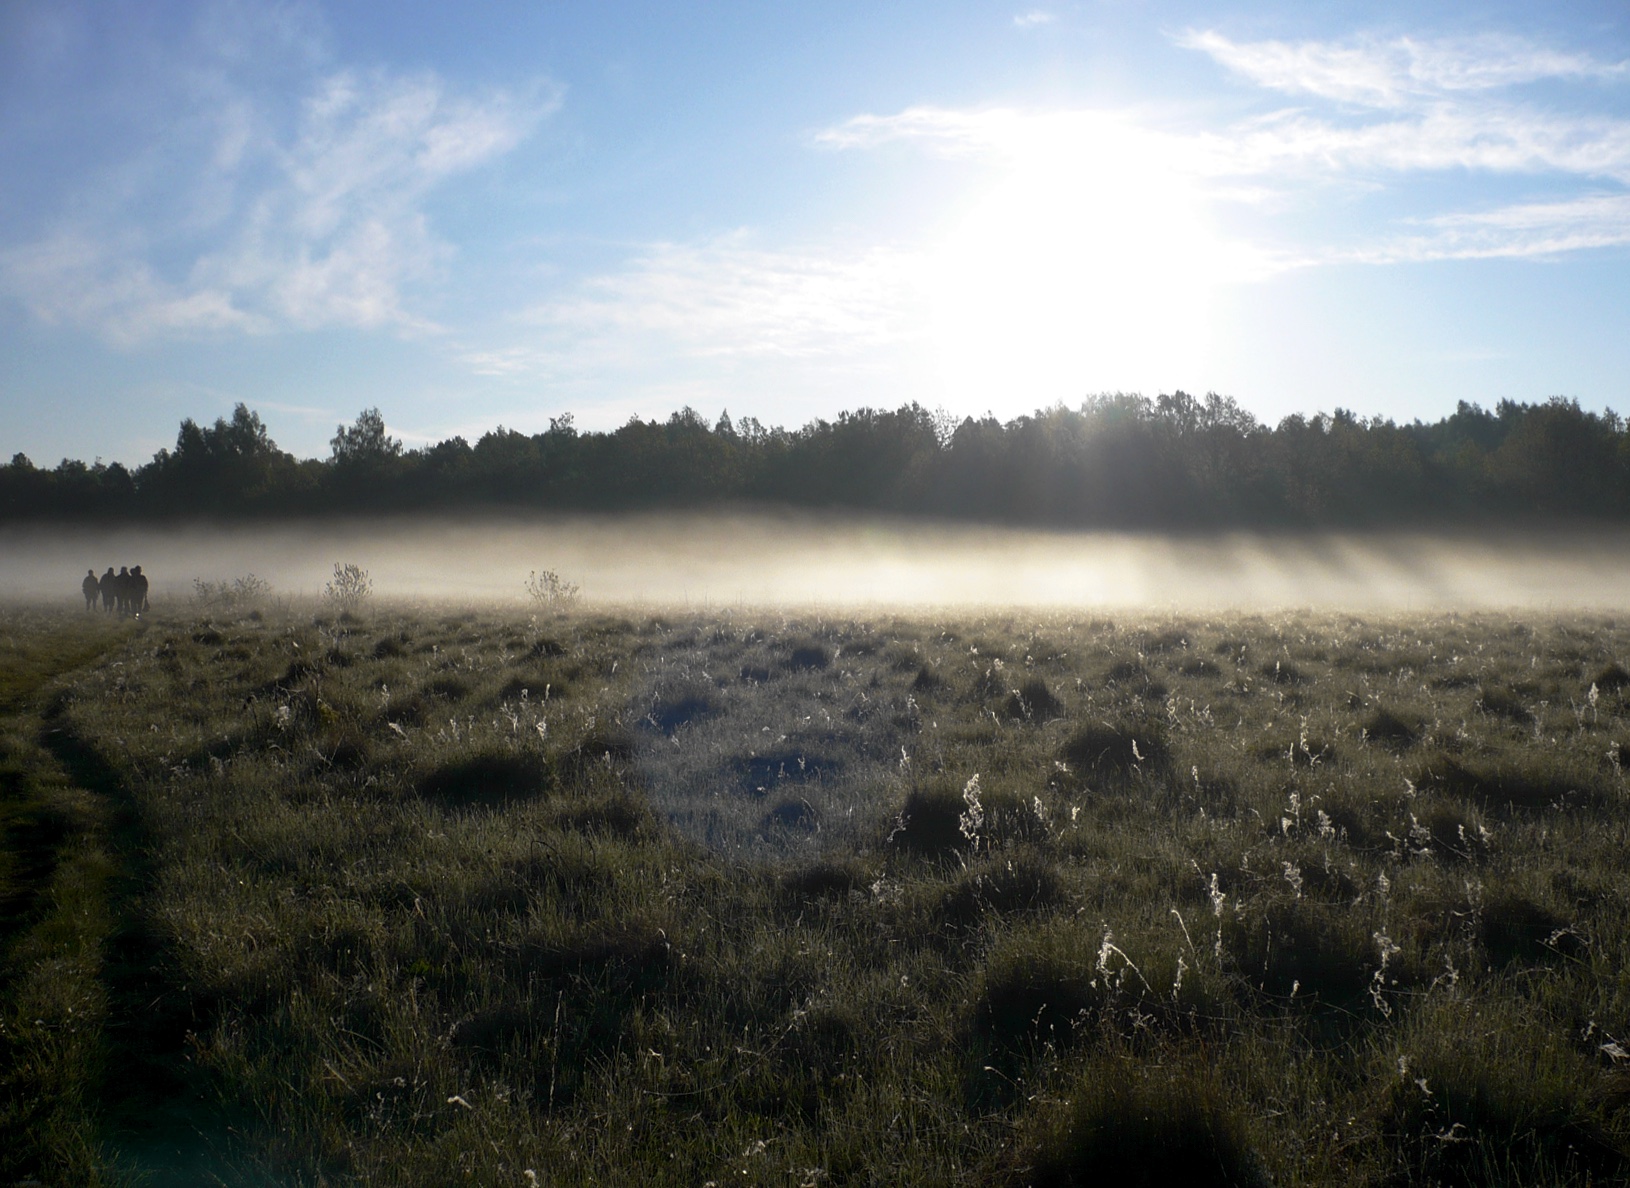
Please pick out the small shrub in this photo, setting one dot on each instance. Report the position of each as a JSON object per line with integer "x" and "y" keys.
{"x": 550, "y": 591}
{"x": 350, "y": 588}
{"x": 240, "y": 594}
{"x": 1199, "y": 666}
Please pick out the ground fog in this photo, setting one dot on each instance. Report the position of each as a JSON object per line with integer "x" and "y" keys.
{"x": 719, "y": 561}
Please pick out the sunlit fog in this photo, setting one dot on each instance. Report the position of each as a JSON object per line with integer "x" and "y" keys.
{"x": 720, "y": 561}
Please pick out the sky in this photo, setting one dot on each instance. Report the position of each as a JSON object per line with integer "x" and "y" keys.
{"x": 496, "y": 214}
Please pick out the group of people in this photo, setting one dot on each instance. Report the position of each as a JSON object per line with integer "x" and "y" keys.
{"x": 125, "y": 591}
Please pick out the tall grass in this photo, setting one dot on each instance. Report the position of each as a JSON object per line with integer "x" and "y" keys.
{"x": 439, "y": 895}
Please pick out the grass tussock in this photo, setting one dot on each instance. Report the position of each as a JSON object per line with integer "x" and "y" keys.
{"x": 1121, "y": 1126}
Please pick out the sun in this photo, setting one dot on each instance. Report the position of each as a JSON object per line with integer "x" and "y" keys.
{"x": 1087, "y": 265}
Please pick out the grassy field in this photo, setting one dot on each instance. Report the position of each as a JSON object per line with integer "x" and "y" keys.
{"x": 422, "y": 896}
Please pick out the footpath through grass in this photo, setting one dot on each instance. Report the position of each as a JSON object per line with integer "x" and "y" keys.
{"x": 59, "y": 905}
{"x": 429, "y": 896}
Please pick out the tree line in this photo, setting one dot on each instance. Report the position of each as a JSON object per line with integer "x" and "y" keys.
{"x": 1116, "y": 461}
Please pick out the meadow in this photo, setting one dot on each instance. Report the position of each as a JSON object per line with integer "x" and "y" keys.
{"x": 427, "y": 894}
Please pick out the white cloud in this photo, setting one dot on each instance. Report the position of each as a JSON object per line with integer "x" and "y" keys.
{"x": 1533, "y": 230}
{"x": 70, "y": 278}
{"x": 1034, "y": 17}
{"x": 256, "y": 217}
{"x": 728, "y": 299}
{"x": 1398, "y": 72}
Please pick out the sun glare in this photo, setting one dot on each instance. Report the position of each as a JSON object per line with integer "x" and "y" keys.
{"x": 1089, "y": 265}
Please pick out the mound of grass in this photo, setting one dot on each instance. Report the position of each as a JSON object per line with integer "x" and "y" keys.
{"x": 1506, "y": 785}
{"x": 809, "y": 657}
{"x": 390, "y": 646}
{"x": 1025, "y": 884}
{"x": 823, "y": 880}
{"x": 927, "y": 681}
{"x": 1304, "y": 950}
{"x": 1030, "y": 993}
{"x": 616, "y": 958}
{"x": 758, "y": 774}
{"x": 486, "y": 779}
{"x": 795, "y": 815}
{"x": 1199, "y": 666}
{"x": 929, "y": 823}
{"x": 1033, "y": 701}
{"x": 1115, "y": 747}
{"x": 447, "y": 687}
{"x": 1125, "y": 1129}
{"x": 1393, "y": 729}
{"x": 1493, "y": 1107}
{"x": 1500, "y": 701}
{"x": 1512, "y": 928}
{"x": 1282, "y": 673}
{"x": 681, "y": 705}
{"x": 1611, "y": 678}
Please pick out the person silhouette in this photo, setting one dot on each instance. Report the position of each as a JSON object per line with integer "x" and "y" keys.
{"x": 91, "y": 589}
{"x": 138, "y": 590}
{"x": 110, "y": 589}
{"x": 121, "y": 590}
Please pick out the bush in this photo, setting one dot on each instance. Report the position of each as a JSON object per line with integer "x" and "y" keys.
{"x": 350, "y": 587}
{"x": 551, "y": 591}
{"x": 240, "y": 594}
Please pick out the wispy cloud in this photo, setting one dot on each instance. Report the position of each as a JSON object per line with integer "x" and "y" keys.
{"x": 263, "y": 214}
{"x": 1399, "y": 72}
{"x": 1527, "y": 230}
{"x": 1034, "y": 17}
{"x": 725, "y": 299}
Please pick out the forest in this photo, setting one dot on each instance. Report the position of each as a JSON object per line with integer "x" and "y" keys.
{"x": 1117, "y": 461}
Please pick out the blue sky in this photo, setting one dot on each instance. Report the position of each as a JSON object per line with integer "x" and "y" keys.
{"x": 617, "y": 209}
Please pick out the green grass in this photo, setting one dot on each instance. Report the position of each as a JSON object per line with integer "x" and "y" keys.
{"x": 436, "y": 895}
